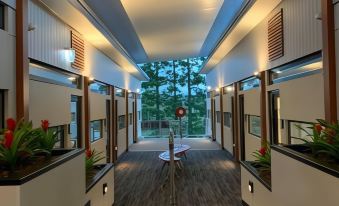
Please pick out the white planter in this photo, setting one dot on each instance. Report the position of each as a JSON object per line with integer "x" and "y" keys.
{"x": 60, "y": 182}
{"x": 95, "y": 195}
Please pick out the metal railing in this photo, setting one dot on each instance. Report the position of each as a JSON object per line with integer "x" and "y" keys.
{"x": 161, "y": 128}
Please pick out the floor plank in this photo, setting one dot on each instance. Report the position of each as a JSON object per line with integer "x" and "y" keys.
{"x": 209, "y": 178}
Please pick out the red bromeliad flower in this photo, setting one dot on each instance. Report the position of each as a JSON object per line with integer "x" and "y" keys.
{"x": 89, "y": 153}
{"x": 262, "y": 151}
{"x": 44, "y": 125}
{"x": 8, "y": 140}
{"x": 318, "y": 128}
{"x": 11, "y": 124}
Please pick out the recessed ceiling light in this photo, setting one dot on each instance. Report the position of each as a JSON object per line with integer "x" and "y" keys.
{"x": 71, "y": 78}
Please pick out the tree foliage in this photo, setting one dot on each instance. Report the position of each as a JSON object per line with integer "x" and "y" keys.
{"x": 172, "y": 84}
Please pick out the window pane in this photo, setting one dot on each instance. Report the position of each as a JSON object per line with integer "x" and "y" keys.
{"x": 122, "y": 122}
{"x": 119, "y": 92}
{"x": 249, "y": 83}
{"x": 61, "y": 135}
{"x": 130, "y": 118}
{"x": 2, "y": 16}
{"x": 99, "y": 87}
{"x": 43, "y": 74}
{"x": 254, "y": 125}
{"x": 96, "y": 130}
{"x": 218, "y": 116}
{"x": 227, "y": 119}
{"x": 295, "y": 132}
{"x": 297, "y": 69}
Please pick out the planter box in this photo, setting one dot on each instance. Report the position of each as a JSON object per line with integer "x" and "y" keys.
{"x": 297, "y": 179}
{"x": 261, "y": 195}
{"x": 102, "y": 177}
{"x": 59, "y": 181}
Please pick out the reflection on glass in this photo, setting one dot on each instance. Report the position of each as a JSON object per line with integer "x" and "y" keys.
{"x": 119, "y": 92}
{"x": 254, "y": 125}
{"x": 249, "y": 83}
{"x": 2, "y": 112}
{"x": 295, "y": 132}
{"x": 52, "y": 76}
{"x": 2, "y": 16}
{"x": 96, "y": 130}
{"x": 218, "y": 116}
{"x": 227, "y": 119}
{"x": 299, "y": 69}
{"x": 99, "y": 87}
{"x": 122, "y": 122}
{"x": 60, "y": 137}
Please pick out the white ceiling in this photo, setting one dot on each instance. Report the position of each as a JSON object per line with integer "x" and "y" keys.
{"x": 174, "y": 29}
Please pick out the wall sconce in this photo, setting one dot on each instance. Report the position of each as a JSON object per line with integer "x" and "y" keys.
{"x": 257, "y": 75}
{"x": 229, "y": 88}
{"x": 104, "y": 188}
{"x": 72, "y": 79}
{"x": 250, "y": 187}
{"x": 70, "y": 55}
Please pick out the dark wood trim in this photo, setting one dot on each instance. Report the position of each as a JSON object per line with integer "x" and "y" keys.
{"x": 244, "y": 203}
{"x": 247, "y": 165}
{"x": 135, "y": 125}
{"x": 112, "y": 146}
{"x": 222, "y": 117}
{"x": 114, "y": 126}
{"x": 126, "y": 118}
{"x": 86, "y": 113}
{"x": 104, "y": 169}
{"x": 263, "y": 111}
{"x": 236, "y": 122}
{"x": 61, "y": 156}
{"x": 308, "y": 160}
{"x": 22, "y": 63}
{"x": 116, "y": 129}
{"x": 329, "y": 63}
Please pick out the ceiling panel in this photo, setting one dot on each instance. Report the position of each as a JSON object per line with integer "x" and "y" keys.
{"x": 172, "y": 29}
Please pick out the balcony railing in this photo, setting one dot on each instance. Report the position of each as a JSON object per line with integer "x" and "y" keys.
{"x": 161, "y": 128}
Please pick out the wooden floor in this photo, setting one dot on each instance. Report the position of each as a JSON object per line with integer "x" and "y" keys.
{"x": 208, "y": 178}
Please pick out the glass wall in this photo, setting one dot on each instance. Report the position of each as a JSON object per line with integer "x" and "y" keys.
{"x": 60, "y": 130}
{"x": 254, "y": 125}
{"x": 250, "y": 83}
{"x": 75, "y": 126}
{"x": 299, "y": 130}
{"x": 100, "y": 88}
{"x": 227, "y": 119}
{"x": 96, "y": 130}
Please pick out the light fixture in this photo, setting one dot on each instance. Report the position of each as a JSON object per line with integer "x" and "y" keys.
{"x": 209, "y": 88}
{"x": 70, "y": 55}
{"x": 256, "y": 73}
{"x": 104, "y": 188}
{"x": 250, "y": 187}
{"x": 71, "y": 79}
{"x": 138, "y": 90}
{"x": 229, "y": 88}
{"x": 217, "y": 89}
{"x": 129, "y": 91}
{"x": 119, "y": 90}
{"x": 278, "y": 72}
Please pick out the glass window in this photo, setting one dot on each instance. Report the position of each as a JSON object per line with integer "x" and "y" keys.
{"x": 218, "y": 116}
{"x": 130, "y": 119}
{"x": 254, "y": 125}
{"x": 53, "y": 76}
{"x": 60, "y": 130}
{"x": 2, "y": 109}
{"x": 296, "y": 132}
{"x": 139, "y": 115}
{"x": 96, "y": 130}
{"x": 227, "y": 119}
{"x": 100, "y": 88}
{"x": 74, "y": 127}
{"x": 130, "y": 95}
{"x": 249, "y": 83}
{"x": 121, "y": 122}
{"x": 2, "y": 16}
{"x": 300, "y": 68}
{"x": 119, "y": 92}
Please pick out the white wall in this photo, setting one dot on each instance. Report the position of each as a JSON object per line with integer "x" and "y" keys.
{"x": 121, "y": 132}
{"x": 217, "y": 124}
{"x": 228, "y": 132}
{"x": 302, "y": 36}
{"x": 51, "y": 36}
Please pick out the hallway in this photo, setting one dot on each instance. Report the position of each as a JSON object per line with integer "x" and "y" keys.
{"x": 208, "y": 178}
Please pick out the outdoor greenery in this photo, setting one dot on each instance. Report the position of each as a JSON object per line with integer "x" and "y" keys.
{"x": 172, "y": 84}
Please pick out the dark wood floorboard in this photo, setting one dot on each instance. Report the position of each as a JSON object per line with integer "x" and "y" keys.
{"x": 208, "y": 178}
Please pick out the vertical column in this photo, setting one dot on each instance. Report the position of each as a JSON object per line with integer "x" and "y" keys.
{"x": 86, "y": 112}
{"x": 329, "y": 63}
{"x": 127, "y": 118}
{"x": 135, "y": 123}
{"x": 236, "y": 122}
{"x": 222, "y": 117}
{"x": 22, "y": 65}
{"x": 263, "y": 108}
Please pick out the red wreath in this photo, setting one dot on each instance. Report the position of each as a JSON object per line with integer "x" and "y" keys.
{"x": 180, "y": 112}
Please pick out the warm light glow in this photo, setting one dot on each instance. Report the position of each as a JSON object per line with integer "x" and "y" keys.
{"x": 91, "y": 79}
{"x": 229, "y": 89}
{"x": 250, "y": 188}
{"x": 129, "y": 91}
{"x": 278, "y": 72}
{"x": 106, "y": 189}
{"x": 217, "y": 89}
{"x": 70, "y": 55}
{"x": 256, "y": 73}
{"x": 71, "y": 79}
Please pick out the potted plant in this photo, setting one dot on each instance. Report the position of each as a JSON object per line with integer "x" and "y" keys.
{"x": 262, "y": 163}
